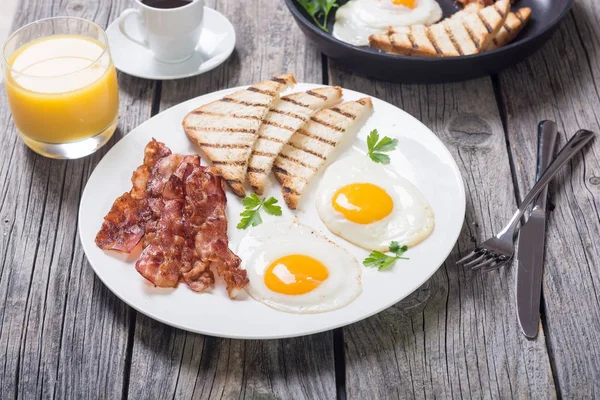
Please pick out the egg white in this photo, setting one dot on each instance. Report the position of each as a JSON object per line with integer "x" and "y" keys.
{"x": 270, "y": 241}
{"x": 356, "y": 20}
{"x": 410, "y": 222}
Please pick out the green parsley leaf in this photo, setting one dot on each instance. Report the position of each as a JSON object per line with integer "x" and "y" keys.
{"x": 386, "y": 144}
{"x": 380, "y": 158}
{"x": 387, "y": 264}
{"x": 383, "y": 261}
{"x": 271, "y": 208}
{"x": 398, "y": 250}
{"x": 251, "y": 215}
{"x": 374, "y": 259}
{"x": 251, "y": 201}
{"x": 318, "y": 10}
{"x": 372, "y": 139}
{"x": 378, "y": 147}
{"x": 256, "y": 219}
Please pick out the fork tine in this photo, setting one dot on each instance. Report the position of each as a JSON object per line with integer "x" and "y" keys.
{"x": 494, "y": 267}
{"x": 497, "y": 265}
{"x": 476, "y": 260}
{"x": 469, "y": 256}
{"x": 492, "y": 257}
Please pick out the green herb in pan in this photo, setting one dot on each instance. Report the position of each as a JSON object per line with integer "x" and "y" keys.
{"x": 318, "y": 10}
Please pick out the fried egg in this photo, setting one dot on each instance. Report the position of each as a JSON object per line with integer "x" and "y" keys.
{"x": 370, "y": 205}
{"x": 291, "y": 268}
{"x": 356, "y": 20}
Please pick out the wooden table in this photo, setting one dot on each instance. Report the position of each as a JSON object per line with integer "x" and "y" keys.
{"x": 64, "y": 335}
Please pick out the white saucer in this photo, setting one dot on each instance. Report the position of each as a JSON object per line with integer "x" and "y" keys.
{"x": 217, "y": 42}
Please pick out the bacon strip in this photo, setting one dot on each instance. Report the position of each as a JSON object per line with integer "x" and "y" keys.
{"x": 165, "y": 237}
{"x": 178, "y": 208}
{"x": 205, "y": 224}
{"x": 124, "y": 225}
{"x": 160, "y": 260}
{"x": 161, "y": 172}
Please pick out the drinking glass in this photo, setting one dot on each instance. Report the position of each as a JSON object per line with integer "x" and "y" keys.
{"x": 61, "y": 86}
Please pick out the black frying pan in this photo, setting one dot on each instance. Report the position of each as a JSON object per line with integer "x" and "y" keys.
{"x": 546, "y": 15}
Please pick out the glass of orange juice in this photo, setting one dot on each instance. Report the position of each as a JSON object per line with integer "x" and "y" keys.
{"x": 62, "y": 86}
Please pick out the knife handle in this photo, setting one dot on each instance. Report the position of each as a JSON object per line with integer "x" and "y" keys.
{"x": 547, "y": 135}
{"x": 576, "y": 143}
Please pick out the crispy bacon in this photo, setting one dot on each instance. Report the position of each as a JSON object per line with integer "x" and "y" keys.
{"x": 178, "y": 208}
{"x": 154, "y": 151}
{"x": 165, "y": 238}
{"x": 161, "y": 172}
{"x": 160, "y": 260}
{"x": 124, "y": 225}
{"x": 205, "y": 224}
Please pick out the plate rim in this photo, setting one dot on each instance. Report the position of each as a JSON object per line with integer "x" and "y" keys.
{"x": 462, "y": 204}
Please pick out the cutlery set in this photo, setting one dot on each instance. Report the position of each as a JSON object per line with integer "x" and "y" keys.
{"x": 500, "y": 249}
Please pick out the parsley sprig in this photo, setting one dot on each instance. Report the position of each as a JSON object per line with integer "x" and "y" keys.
{"x": 378, "y": 147}
{"x": 382, "y": 261}
{"x": 318, "y": 9}
{"x": 251, "y": 215}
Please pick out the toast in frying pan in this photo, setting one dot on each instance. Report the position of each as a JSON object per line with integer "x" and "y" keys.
{"x": 466, "y": 33}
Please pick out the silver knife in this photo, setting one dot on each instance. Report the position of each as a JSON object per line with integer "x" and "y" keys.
{"x": 531, "y": 241}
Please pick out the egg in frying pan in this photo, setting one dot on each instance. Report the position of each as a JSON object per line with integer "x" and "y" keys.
{"x": 356, "y": 20}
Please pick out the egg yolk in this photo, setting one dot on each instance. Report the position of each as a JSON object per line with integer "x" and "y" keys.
{"x": 406, "y": 3}
{"x": 362, "y": 203}
{"x": 295, "y": 274}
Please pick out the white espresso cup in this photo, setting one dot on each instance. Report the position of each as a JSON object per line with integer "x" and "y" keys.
{"x": 172, "y": 34}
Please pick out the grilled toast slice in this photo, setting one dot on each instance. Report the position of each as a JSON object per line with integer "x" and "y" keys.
{"x": 514, "y": 24}
{"x": 482, "y": 3}
{"x": 481, "y": 27}
{"x": 469, "y": 8}
{"x": 467, "y": 32}
{"x": 288, "y": 115}
{"x": 309, "y": 148}
{"x": 226, "y": 129}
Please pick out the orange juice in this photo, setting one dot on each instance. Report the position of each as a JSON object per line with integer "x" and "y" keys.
{"x": 62, "y": 89}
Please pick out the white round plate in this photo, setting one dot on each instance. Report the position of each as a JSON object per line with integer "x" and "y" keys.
{"x": 216, "y": 44}
{"x": 420, "y": 157}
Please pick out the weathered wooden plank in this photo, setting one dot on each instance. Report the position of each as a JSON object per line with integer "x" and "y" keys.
{"x": 203, "y": 367}
{"x": 458, "y": 336}
{"x": 268, "y": 43}
{"x": 195, "y": 366}
{"x": 561, "y": 83}
{"x": 62, "y": 333}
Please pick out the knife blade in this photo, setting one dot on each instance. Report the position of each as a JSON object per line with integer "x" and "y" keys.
{"x": 532, "y": 239}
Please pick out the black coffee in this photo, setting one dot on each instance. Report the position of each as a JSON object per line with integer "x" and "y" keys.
{"x": 166, "y": 3}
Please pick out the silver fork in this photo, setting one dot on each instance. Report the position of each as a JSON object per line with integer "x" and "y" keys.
{"x": 499, "y": 250}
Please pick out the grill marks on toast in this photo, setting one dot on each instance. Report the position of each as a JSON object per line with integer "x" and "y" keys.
{"x": 514, "y": 24}
{"x": 467, "y": 32}
{"x": 285, "y": 118}
{"x": 227, "y": 129}
{"x": 224, "y": 146}
{"x": 293, "y": 101}
{"x": 309, "y": 148}
{"x": 316, "y": 94}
